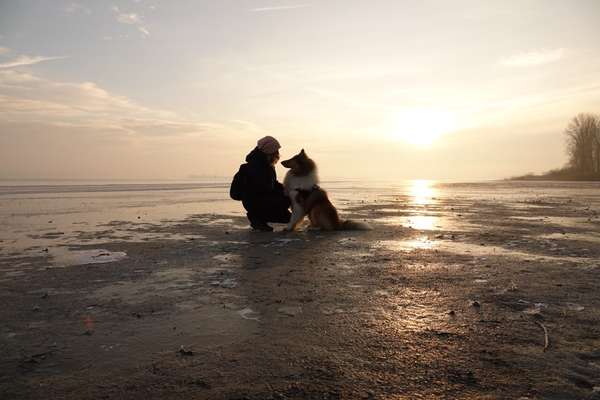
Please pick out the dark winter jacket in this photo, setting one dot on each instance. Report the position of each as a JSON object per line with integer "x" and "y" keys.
{"x": 261, "y": 177}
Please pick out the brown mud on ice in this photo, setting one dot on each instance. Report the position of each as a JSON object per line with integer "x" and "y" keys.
{"x": 450, "y": 296}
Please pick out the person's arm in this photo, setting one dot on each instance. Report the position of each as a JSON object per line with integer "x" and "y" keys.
{"x": 259, "y": 181}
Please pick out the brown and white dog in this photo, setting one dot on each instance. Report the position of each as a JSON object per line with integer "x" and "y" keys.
{"x": 307, "y": 198}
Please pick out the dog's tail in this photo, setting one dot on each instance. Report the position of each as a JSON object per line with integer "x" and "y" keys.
{"x": 349, "y": 225}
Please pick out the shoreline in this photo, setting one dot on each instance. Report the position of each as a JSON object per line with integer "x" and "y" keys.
{"x": 542, "y": 178}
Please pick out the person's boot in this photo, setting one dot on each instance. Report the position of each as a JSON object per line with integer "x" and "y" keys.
{"x": 259, "y": 225}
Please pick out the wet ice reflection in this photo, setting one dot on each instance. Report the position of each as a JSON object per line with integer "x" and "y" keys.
{"x": 417, "y": 311}
{"x": 420, "y": 222}
{"x": 421, "y": 242}
{"x": 421, "y": 194}
{"x": 423, "y": 222}
{"x": 472, "y": 249}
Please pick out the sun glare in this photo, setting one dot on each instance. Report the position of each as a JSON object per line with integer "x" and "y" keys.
{"x": 422, "y": 192}
{"x": 422, "y": 127}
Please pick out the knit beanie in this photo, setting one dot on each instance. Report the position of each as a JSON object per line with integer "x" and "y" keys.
{"x": 268, "y": 145}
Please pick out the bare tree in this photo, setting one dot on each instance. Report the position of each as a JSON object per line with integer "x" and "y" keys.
{"x": 583, "y": 143}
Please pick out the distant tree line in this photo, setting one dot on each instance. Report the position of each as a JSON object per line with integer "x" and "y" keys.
{"x": 583, "y": 144}
{"x": 583, "y": 149}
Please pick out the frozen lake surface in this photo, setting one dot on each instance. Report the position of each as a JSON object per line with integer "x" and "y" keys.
{"x": 40, "y": 217}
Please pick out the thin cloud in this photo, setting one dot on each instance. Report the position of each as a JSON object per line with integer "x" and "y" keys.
{"x": 143, "y": 30}
{"x": 278, "y": 8}
{"x": 534, "y": 100}
{"x": 534, "y": 58}
{"x": 27, "y": 60}
{"x": 27, "y": 98}
{"x": 75, "y": 8}
{"x": 4, "y": 50}
{"x": 131, "y": 19}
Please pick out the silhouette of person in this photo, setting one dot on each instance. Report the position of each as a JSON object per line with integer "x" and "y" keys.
{"x": 263, "y": 196}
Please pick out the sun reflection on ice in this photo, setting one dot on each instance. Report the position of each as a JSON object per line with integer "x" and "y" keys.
{"x": 422, "y": 242}
{"x": 422, "y": 192}
{"x": 423, "y": 222}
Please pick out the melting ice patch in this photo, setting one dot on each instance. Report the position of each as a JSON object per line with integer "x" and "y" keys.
{"x": 63, "y": 256}
{"x": 248, "y": 313}
{"x": 228, "y": 258}
{"x": 281, "y": 242}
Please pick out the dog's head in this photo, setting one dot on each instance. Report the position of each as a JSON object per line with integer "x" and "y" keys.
{"x": 300, "y": 164}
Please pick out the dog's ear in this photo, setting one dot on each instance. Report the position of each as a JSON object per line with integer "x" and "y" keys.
{"x": 302, "y": 152}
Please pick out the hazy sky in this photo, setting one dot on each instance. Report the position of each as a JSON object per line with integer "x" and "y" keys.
{"x": 149, "y": 89}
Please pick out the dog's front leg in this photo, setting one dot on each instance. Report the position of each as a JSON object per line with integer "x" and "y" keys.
{"x": 297, "y": 212}
{"x": 296, "y": 218}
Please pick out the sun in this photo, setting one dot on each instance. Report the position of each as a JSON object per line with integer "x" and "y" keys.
{"x": 421, "y": 127}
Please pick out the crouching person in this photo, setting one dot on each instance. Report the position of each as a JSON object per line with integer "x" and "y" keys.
{"x": 256, "y": 185}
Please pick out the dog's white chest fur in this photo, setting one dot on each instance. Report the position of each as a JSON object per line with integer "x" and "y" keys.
{"x": 306, "y": 182}
{"x": 291, "y": 183}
